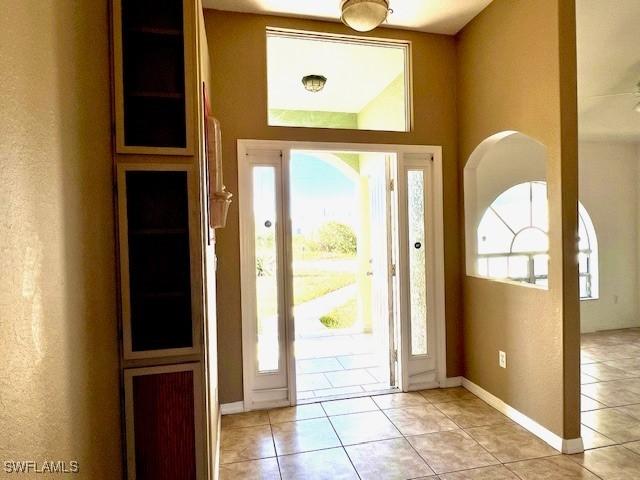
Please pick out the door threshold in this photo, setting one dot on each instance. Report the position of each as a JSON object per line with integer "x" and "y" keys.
{"x": 346, "y": 396}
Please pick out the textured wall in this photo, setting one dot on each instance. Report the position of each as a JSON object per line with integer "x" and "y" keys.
{"x": 237, "y": 43}
{"x": 516, "y": 64}
{"x": 58, "y": 349}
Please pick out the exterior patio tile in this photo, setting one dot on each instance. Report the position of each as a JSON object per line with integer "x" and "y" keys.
{"x": 348, "y": 378}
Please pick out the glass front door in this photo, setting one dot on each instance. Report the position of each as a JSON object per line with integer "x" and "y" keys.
{"x": 337, "y": 273}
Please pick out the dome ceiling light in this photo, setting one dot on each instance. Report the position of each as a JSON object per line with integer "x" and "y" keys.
{"x": 364, "y": 15}
{"x": 314, "y": 83}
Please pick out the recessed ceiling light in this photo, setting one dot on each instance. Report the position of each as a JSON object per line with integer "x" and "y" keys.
{"x": 364, "y": 15}
{"x": 314, "y": 83}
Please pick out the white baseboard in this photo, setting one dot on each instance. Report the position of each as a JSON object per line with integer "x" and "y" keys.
{"x": 230, "y": 408}
{"x": 573, "y": 445}
{"x": 451, "y": 382}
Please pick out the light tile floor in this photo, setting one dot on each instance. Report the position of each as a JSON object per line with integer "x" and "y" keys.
{"x": 446, "y": 434}
{"x": 331, "y": 365}
{"x": 611, "y": 403}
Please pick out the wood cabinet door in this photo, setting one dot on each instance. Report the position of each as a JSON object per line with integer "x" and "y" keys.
{"x": 163, "y": 422}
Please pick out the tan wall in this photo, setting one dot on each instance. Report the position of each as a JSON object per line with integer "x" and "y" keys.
{"x": 238, "y": 53}
{"x": 517, "y": 72}
{"x": 58, "y": 347}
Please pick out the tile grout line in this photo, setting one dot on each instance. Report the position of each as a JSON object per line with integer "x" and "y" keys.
{"x": 341, "y": 442}
{"x": 410, "y": 444}
{"x": 273, "y": 441}
{"x": 470, "y": 436}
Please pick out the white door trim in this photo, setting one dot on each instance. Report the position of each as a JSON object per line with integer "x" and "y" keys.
{"x": 438, "y": 376}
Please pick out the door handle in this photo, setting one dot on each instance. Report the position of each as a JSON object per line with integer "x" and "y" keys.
{"x": 369, "y": 274}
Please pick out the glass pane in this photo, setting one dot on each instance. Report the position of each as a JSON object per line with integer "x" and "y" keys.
{"x": 498, "y": 267}
{"x": 364, "y": 88}
{"x": 518, "y": 267}
{"x": 530, "y": 240}
{"x": 584, "y": 288}
{"x": 514, "y": 206}
{"x": 583, "y": 243}
{"x": 539, "y": 206}
{"x": 493, "y": 235}
{"x": 265, "y": 216}
{"x": 583, "y": 262}
{"x": 417, "y": 262}
{"x": 541, "y": 265}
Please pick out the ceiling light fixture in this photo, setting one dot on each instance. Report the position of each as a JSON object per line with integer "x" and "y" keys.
{"x": 364, "y": 15}
{"x": 314, "y": 83}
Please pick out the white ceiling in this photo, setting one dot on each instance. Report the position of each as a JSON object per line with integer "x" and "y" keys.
{"x": 356, "y": 73}
{"x": 608, "y": 65}
{"x": 435, "y": 16}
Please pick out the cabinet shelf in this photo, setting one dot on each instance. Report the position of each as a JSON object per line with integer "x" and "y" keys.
{"x": 164, "y": 95}
{"x": 152, "y": 53}
{"x": 159, "y": 231}
{"x": 157, "y": 247}
{"x": 163, "y": 294}
{"x": 170, "y": 32}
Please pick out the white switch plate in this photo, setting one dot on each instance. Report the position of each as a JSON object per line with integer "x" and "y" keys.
{"x": 502, "y": 359}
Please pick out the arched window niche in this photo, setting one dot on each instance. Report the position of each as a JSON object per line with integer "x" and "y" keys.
{"x": 507, "y": 239}
{"x": 507, "y": 216}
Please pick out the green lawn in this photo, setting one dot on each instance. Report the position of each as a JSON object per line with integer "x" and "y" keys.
{"x": 308, "y": 284}
{"x": 342, "y": 317}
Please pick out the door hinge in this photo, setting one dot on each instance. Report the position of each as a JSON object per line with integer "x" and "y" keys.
{"x": 392, "y": 185}
{"x": 393, "y": 270}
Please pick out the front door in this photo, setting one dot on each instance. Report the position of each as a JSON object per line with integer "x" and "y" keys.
{"x": 337, "y": 273}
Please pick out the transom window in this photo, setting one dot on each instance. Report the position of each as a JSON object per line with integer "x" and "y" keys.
{"x": 320, "y": 80}
{"x": 513, "y": 239}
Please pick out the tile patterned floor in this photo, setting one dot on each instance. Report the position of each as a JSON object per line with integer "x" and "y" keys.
{"x": 446, "y": 434}
{"x": 611, "y": 403}
{"x": 331, "y": 365}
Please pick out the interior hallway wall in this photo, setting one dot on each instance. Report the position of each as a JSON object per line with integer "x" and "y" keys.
{"x": 610, "y": 191}
{"x": 237, "y": 44}
{"x": 59, "y": 387}
{"x": 516, "y": 71}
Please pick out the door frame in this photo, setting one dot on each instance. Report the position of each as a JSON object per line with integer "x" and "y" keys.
{"x": 407, "y": 380}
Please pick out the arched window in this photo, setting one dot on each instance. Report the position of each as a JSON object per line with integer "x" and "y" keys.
{"x": 513, "y": 239}
{"x": 588, "y": 255}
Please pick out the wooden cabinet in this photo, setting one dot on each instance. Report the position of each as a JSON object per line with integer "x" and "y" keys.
{"x": 159, "y": 49}
{"x": 159, "y": 260}
{"x": 154, "y": 76}
{"x": 164, "y": 422}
